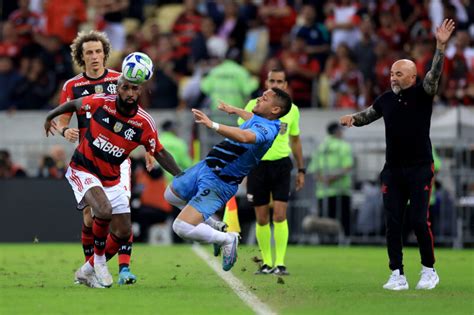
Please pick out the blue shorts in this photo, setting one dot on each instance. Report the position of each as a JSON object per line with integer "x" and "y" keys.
{"x": 202, "y": 189}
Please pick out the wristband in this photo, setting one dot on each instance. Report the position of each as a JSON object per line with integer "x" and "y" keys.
{"x": 215, "y": 126}
{"x": 302, "y": 170}
{"x": 64, "y": 131}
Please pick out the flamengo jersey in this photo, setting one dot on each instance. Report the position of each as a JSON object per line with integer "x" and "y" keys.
{"x": 81, "y": 85}
{"x": 111, "y": 137}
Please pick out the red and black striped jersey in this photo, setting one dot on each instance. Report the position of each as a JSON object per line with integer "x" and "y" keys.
{"x": 111, "y": 137}
{"x": 82, "y": 85}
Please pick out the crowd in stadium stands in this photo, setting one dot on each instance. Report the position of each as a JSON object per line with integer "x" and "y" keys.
{"x": 337, "y": 53}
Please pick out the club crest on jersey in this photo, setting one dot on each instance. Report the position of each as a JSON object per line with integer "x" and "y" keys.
{"x": 283, "y": 128}
{"x": 118, "y": 127}
{"x": 112, "y": 89}
{"x": 129, "y": 133}
{"x": 99, "y": 89}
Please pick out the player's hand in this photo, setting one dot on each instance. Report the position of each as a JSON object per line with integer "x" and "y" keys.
{"x": 226, "y": 108}
{"x": 50, "y": 126}
{"x": 149, "y": 162}
{"x": 347, "y": 120}
{"x": 71, "y": 134}
{"x": 201, "y": 118}
{"x": 299, "y": 181}
{"x": 443, "y": 32}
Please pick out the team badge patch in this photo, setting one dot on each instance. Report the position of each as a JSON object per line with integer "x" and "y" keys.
{"x": 99, "y": 89}
{"x": 118, "y": 126}
{"x": 283, "y": 128}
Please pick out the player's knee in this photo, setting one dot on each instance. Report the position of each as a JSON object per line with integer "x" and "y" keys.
{"x": 279, "y": 217}
{"x": 103, "y": 211}
{"x": 173, "y": 199}
{"x": 181, "y": 228}
{"x": 122, "y": 232}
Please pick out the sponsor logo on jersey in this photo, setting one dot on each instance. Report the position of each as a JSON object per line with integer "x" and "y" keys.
{"x": 152, "y": 143}
{"x": 112, "y": 89}
{"x": 82, "y": 83}
{"x": 135, "y": 123}
{"x": 110, "y": 110}
{"x": 262, "y": 128}
{"x": 111, "y": 79}
{"x": 85, "y": 92}
{"x": 102, "y": 143}
{"x": 118, "y": 126}
{"x": 106, "y": 119}
{"x": 129, "y": 133}
{"x": 99, "y": 89}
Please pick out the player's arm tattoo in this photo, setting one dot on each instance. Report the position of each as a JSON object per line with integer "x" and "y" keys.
{"x": 430, "y": 83}
{"x": 365, "y": 117}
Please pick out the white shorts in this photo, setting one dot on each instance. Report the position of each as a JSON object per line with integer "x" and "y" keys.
{"x": 81, "y": 182}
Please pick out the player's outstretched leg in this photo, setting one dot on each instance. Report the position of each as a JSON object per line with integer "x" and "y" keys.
{"x": 229, "y": 252}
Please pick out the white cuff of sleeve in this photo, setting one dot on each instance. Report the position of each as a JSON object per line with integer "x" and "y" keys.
{"x": 215, "y": 126}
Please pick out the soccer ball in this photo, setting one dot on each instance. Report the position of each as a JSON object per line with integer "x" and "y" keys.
{"x": 137, "y": 67}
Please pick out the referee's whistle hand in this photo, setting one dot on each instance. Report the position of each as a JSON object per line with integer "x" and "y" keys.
{"x": 347, "y": 120}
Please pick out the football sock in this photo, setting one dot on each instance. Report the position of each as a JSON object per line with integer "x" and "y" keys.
{"x": 100, "y": 228}
{"x": 87, "y": 241}
{"x": 280, "y": 232}
{"x": 125, "y": 253}
{"x": 201, "y": 233}
{"x": 264, "y": 234}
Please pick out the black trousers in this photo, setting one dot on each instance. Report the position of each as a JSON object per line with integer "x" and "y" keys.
{"x": 401, "y": 185}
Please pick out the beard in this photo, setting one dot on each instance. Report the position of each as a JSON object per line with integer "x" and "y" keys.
{"x": 126, "y": 108}
{"x": 396, "y": 88}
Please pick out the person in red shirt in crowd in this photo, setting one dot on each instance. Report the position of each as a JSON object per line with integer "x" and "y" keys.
{"x": 187, "y": 25}
{"x": 391, "y": 31}
{"x": 63, "y": 18}
{"x": 301, "y": 71}
{"x": 385, "y": 59}
{"x": 25, "y": 22}
{"x": 279, "y": 17}
{"x": 8, "y": 169}
{"x": 117, "y": 125}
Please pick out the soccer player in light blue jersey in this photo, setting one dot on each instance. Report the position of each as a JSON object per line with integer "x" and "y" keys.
{"x": 206, "y": 187}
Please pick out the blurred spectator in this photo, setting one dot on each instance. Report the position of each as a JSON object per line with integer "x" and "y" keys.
{"x": 187, "y": 24}
{"x": 25, "y": 22}
{"x": 230, "y": 83}
{"x": 385, "y": 59}
{"x": 206, "y": 44}
{"x": 391, "y": 31}
{"x": 8, "y": 169}
{"x": 6, "y": 8}
{"x": 53, "y": 165}
{"x": 63, "y": 18}
{"x": 301, "y": 70}
{"x": 422, "y": 54}
{"x": 153, "y": 209}
{"x": 316, "y": 34}
{"x": 343, "y": 22}
{"x": 176, "y": 146}
{"x": 233, "y": 29}
{"x": 457, "y": 85}
{"x": 9, "y": 79}
{"x": 110, "y": 15}
{"x": 256, "y": 44}
{"x": 9, "y": 45}
{"x": 364, "y": 53}
{"x": 279, "y": 17}
{"x": 332, "y": 164}
{"x": 37, "y": 86}
{"x": 348, "y": 86}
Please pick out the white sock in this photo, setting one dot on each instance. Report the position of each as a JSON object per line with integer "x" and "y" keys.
{"x": 427, "y": 268}
{"x": 202, "y": 233}
{"x": 212, "y": 223}
{"x": 87, "y": 268}
{"x": 99, "y": 259}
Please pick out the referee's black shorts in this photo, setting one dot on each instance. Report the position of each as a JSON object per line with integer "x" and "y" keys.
{"x": 269, "y": 177}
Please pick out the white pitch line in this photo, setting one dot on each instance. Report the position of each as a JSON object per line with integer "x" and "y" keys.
{"x": 234, "y": 283}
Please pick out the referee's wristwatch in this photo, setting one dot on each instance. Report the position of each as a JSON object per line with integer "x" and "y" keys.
{"x": 302, "y": 170}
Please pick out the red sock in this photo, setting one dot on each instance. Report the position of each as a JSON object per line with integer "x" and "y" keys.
{"x": 112, "y": 247}
{"x": 100, "y": 228}
{"x": 125, "y": 252}
{"x": 87, "y": 241}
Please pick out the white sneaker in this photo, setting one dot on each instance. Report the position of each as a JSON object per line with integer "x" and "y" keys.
{"x": 396, "y": 281}
{"x": 88, "y": 279}
{"x": 428, "y": 280}
{"x": 229, "y": 252}
{"x": 103, "y": 275}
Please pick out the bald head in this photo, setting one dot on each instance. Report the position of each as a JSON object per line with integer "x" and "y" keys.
{"x": 402, "y": 75}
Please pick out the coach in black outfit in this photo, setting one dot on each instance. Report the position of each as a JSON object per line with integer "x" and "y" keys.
{"x": 408, "y": 171}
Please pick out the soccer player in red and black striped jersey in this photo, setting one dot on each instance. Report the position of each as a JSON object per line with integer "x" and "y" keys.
{"x": 117, "y": 125}
{"x": 90, "y": 51}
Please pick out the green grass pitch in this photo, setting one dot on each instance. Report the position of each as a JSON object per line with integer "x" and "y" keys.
{"x": 38, "y": 279}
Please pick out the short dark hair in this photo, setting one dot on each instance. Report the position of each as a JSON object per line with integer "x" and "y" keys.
{"x": 284, "y": 101}
{"x": 333, "y": 127}
{"x": 84, "y": 37}
{"x": 281, "y": 70}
